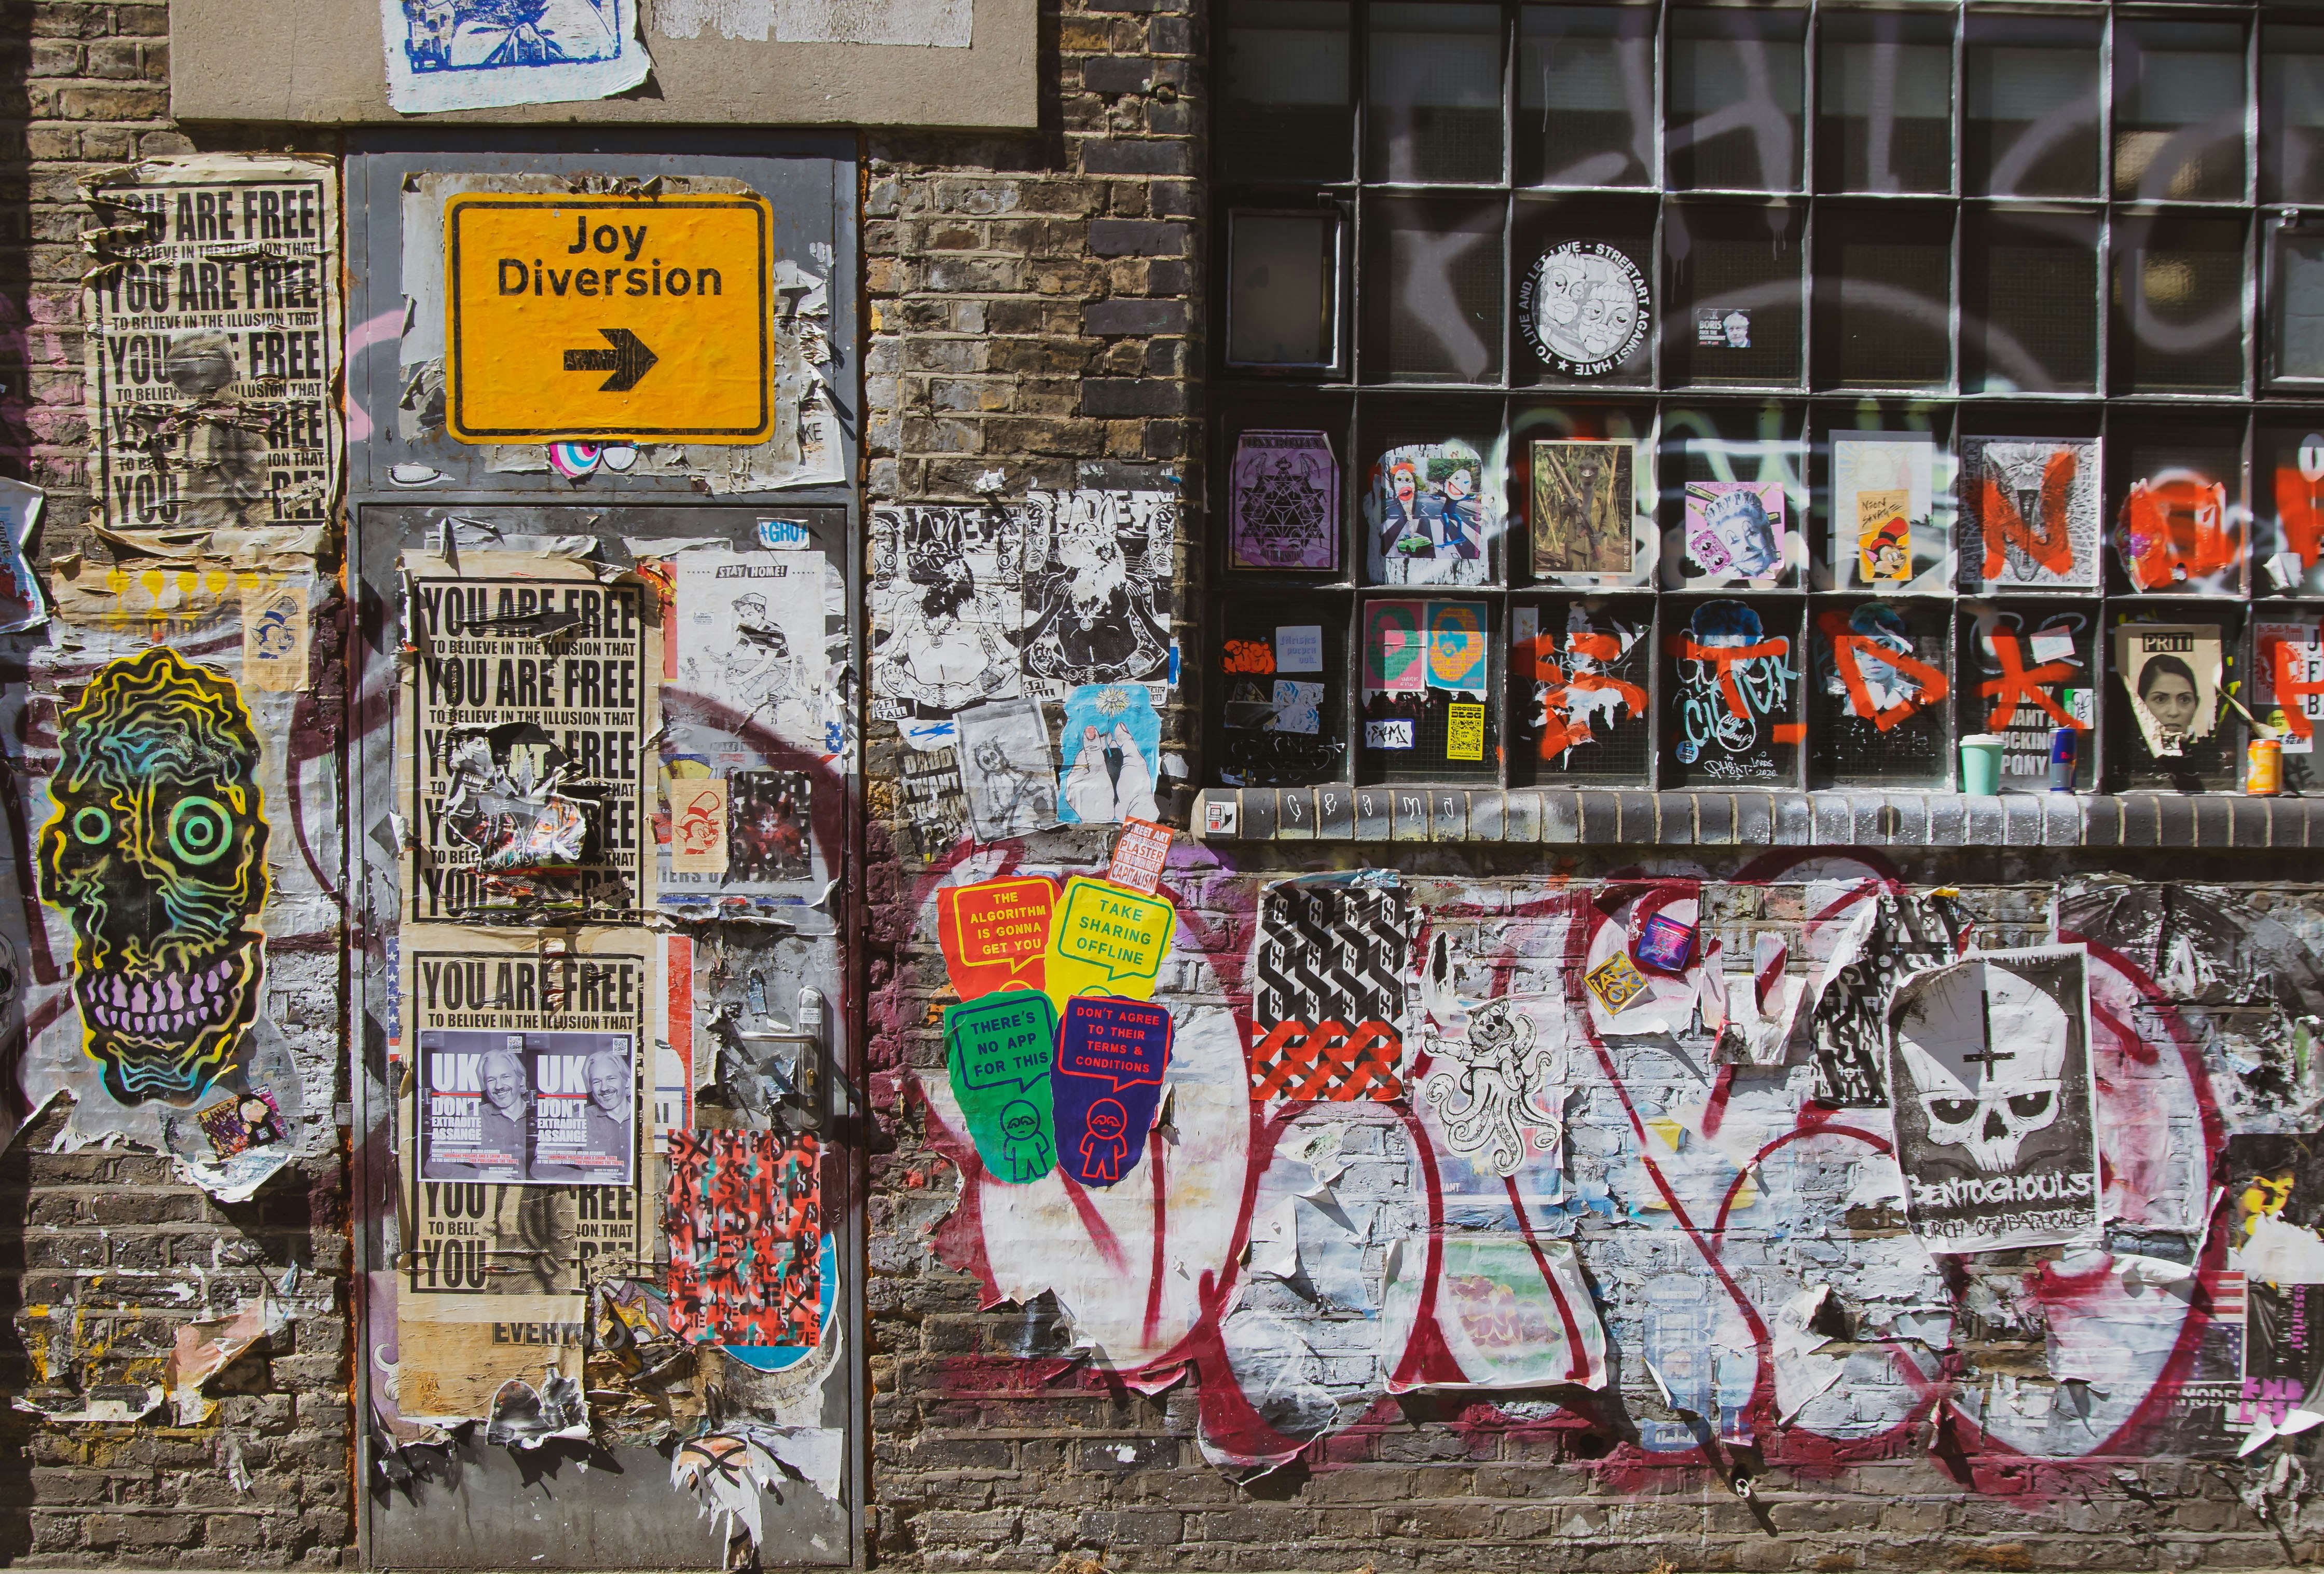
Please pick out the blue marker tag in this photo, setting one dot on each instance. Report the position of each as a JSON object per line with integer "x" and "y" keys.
{"x": 781, "y": 535}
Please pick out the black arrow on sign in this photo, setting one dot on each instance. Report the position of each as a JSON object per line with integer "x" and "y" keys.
{"x": 628, "y": 360}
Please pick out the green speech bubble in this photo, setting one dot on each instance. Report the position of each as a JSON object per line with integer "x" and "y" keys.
{"x": 998, "y": 1050}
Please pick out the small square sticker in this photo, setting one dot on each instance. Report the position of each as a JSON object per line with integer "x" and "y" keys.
{"x": 1464, "y": 732}
{"x": 1219, "y": 815}
{"x": 1300, "y": 648}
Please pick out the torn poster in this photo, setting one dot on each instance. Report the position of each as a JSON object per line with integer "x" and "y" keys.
{"x": 212, "y": 342}
{"x": 202, "y": 1349}
{"x": 1011, "y": 778}
{"x": 525, "y": 781}
{"x": 1589, "y": 679}
{"x": 1996, "y": 1129}
{"x": 947, "y": 610}
{"x": 22, "y": 604}
{"x": 1098, "y": 567}
{"x": 1115, "y": 740}
{"x": 525, "y": 1417}
{"x": 1891, "y": 936}
{"x": 2029, "y": 513}
{"x": 1107, "y": 1087}
{"x": 750, "y": 650}
{"x": 744, "y": 1220}
{"x": 1327, "y": 1014}
{"x": 483, "y": 1255}
{"x": 479, "y": 54}
{"x": 1284, "y": 506}
{"x": 2179, "y": 533}
{"x": 2170, "y": 674}
{"x": 1513, "y": 1312}
{"x": 2275, "y": 1181}
{"x": 726, "y": 830}
{"x": 999, "y": 1050}
{"x": 934, "y": 801}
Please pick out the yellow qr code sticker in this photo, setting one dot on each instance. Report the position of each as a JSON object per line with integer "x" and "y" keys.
{"x": 1464, "y": 732}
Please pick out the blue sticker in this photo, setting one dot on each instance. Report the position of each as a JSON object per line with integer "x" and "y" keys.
{"x": 782, "y": 534}
{"x": 1109, "y": 745}
{"x": 1106, "y": 1085}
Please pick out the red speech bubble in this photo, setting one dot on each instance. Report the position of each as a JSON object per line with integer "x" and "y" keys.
{"x": 992, "y": 934}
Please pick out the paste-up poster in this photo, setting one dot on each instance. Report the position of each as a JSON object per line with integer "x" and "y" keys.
{"x": 1735, "y": 684}
{"x": 934, "y": 801}
{"x": 748, "y": 832}
{"x": 2034, "y": 672}
{"x": 1426, "y": 683}
{"x": 22, "y": 604}
{"x": 1111, "y": 1054}
{"x": 1113, "y": 740}
{"x": 212, "y": 343}
{"x": 2289, "y": 466}
{"x": 525, "y": 781}
{"x": 1010, "y": 776}
{"x": 1880, "y": 697}
{"x": 1891, "y": 936}
{"x": 480, "y": 55}
{"x": 744, "y": 1222}
{"x": 998, "y": 1049}
{"x": 1583, "y": 508}
{"x": 1891, "y": 530}
{"x": 1328, "y": 1008}
{"x": 1281, "y": 712}
{"x": 2169, "y": 675}
{"x": 2030, "y": 514}
{"x": 1430, "y": 517}
{"x": 1105, "y": 939}
{"x": 1283, "y": 502}
{"x": 1738, "y": 534}
{"x": 1511, "y": 1312}
{"x": 992, "y": 933}
{"x": 2178, "y": 534}
{"x": 2284, "y": 1350}
{"x": 493, "y": 1269}
{"x": 1097, "y": 587}
{"x": 1989, "y": 1074}
{"x": 948, "y": 613}
{"x": 2275, "y": 1186}
{"x": 1587, "y": 664}
{"x": 2288, "y": 685}
{"x": 750, "y": 644}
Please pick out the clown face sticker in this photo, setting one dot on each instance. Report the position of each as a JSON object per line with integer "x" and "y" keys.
{"x": 157, "y": 849}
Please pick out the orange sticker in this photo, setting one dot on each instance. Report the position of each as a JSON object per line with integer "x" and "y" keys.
{"x": 992, "y": 934}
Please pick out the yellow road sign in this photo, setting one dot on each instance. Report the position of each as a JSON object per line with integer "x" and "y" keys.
{"x": 596, "y": 318}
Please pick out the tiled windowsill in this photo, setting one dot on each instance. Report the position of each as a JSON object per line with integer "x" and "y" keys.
{"x": 1568, "y": 817}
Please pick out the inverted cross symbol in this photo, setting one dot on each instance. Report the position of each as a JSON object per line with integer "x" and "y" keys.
{"x": 1987, "y": 1056}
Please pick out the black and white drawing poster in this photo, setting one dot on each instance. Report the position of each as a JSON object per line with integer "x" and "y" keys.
{"x": 1010, "y": 772}
{"x": 1989, "y": 1075}
{"x": 947, "y": 612}
{"x": 1892, "y": 935}
{"x": 1097, "y": 589}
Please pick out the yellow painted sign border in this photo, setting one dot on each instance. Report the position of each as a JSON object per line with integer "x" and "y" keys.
{"x": 763, "y": 275}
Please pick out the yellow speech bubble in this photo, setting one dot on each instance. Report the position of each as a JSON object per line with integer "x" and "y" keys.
{"x": 1106, "y": 940}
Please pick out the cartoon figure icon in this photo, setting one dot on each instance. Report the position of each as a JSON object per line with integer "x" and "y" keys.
{"x": 1023, "y": 1148}
{"x": 1107, "y": 1144}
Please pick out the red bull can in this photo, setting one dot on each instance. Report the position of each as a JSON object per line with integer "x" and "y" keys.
{"x": 2065, "y": 753}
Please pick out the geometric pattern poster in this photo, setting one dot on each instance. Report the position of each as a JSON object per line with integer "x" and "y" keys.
{"x": 744, "y": 1220}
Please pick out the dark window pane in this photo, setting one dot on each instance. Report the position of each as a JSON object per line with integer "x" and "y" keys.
{"x": 1731, "y": 718}
{"x": 2291, "y": 114}
{"x": 1579, "y": 675}
{"x": 2001, "y": 644}
{"x": 2029, "y": 302}
{"x": 1285, "y": 109}
{"x": 2032, "y": 122}
{"x": 2178, "y": 110}
{"x": 1284, "y": 305}
{"x": 1723, "y": 265}
{"x": 1586, "y": 97}
{"x": 1880, "y": 715}
{"x": 2179, "y": 525}
{"x": 1884, "y": 297}
{"x": 2299, "y": 303}
{"x": 1283, "y": 684}
{"x": 1885, "y": 103}
{"x": 1433, "y": 292}
{"x": 2178, "y": 303}
{"x": 1736, "y": 99}
{"x": 1434, "y": 98}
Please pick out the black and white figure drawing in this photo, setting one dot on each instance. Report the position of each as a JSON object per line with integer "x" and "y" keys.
{"x": 1500, "y": 1094}
{"x": 751, "y": 641}
{"x": 946, "y": 609}
{"x": 1989, "y": 1075}
{"x": 1009, "y": 775}
{"x": 1097, "y": 587}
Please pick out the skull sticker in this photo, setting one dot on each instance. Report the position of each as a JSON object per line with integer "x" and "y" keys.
{"x": 157, "y": 850}
{"x": 1986, "y": 1095}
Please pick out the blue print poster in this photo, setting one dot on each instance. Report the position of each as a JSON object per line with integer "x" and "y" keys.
{"x": 479, "y": 54}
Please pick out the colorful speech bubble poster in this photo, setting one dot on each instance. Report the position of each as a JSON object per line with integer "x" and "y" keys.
{"x": 1106, "y": 941}
{"x": 992, "y": 933}
{"x": 1110, "y": 1057}
{"x": 999, "y": 1050}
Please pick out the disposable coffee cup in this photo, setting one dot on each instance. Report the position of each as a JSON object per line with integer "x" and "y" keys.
{"x": 1981, "y": 763}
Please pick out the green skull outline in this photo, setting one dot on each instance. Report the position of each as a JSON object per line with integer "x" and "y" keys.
{"x": 157, "y": 851}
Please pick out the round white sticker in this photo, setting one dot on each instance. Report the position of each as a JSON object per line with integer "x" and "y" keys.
{"x": 1584, "y": 307}
{"x": 2312, "y": 457}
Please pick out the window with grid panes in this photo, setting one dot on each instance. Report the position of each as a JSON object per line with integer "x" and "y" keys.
{"x": 1707, "y": 396}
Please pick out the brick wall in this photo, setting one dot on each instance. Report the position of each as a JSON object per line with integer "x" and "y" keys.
{"x": 103, "y": 1254}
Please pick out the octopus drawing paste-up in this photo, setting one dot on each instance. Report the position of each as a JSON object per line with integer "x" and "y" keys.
{"x": 157, "y": 851}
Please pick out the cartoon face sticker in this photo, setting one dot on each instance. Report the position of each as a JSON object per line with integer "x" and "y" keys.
{"x": 1108, "y": 1120}
{"x": 157, "y": 851}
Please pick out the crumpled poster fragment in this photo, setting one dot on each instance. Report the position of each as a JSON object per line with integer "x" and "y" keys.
{"x": 727, "y": 1470}
{"x": 525, "y": 1417}
{"x": 640, "y": 1379}
{"x": 743, "y": 1219}
{"x": 211, "y": 313}
{"x": 203, "y": 1349}
{"x": 21, "y": 605}
{"x": 476, "y": 54}
{"x": 1892, "y": 935}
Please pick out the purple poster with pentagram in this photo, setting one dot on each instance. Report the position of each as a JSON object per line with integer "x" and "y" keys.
{"x": 1283, "y": 502}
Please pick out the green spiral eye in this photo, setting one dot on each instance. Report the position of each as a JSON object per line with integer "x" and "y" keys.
{"x": 199, "y": 829}
{"x": 93, "y": 826}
